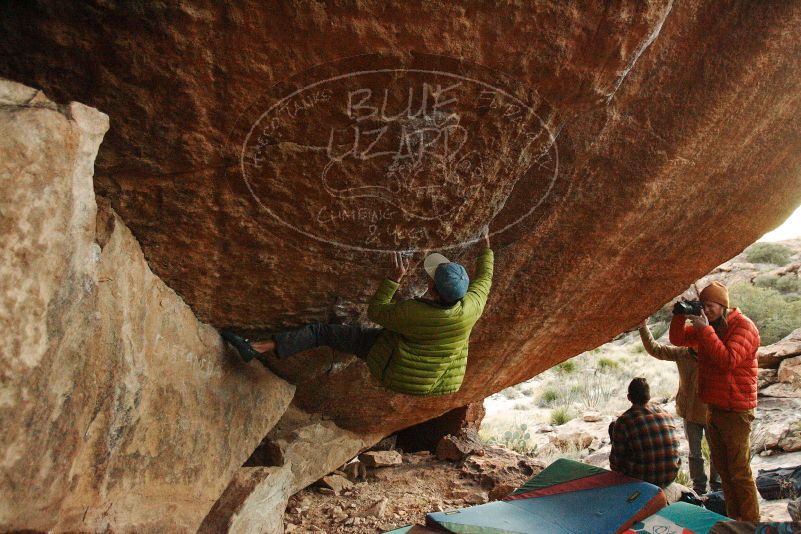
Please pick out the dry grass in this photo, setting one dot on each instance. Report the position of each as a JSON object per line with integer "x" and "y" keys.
{"x": 596, "y": 380}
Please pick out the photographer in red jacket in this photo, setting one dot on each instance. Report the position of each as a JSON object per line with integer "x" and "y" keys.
{"x": 726, "y": 342}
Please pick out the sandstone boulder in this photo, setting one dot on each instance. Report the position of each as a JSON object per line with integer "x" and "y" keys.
{"x": 500, "y": 467}
{"x": 777, "y": 416}
{"x": 500, "y": 491}
{"x": 791, "y": 439}
{"x": 456, "y": 448}
{"x": 772, "y": 355}
{"x": 381, "y": 458}
{"x": 790, "y": 371}
{"x": 591, "y": 417}
{"x": 468, "y": 496}
{"x": 311, "y": 446}
{"x": 781, "y": 390}
{"x": 253, "y": 503}
{"x": 337, "y": 483}
{"x": 120, "y": 410}
{"x": 377, "y": 509}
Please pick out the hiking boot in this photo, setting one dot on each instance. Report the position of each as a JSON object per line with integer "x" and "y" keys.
{"x": 241, "y": 345}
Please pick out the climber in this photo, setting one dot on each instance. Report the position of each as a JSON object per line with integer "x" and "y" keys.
{"x": 421, "y": 347}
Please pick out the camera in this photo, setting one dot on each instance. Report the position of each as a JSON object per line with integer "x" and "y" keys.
{"x": 688, "y": 307}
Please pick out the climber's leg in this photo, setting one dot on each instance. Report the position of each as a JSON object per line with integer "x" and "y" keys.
{"x": 356, "y": 340}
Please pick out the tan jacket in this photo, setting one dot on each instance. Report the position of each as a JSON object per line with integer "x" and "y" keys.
{"x": 688, "y": 403}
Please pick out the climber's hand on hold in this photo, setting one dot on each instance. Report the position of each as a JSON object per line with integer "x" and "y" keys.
{"x": 401, "y": 266}
{"x": 486, "y": 237}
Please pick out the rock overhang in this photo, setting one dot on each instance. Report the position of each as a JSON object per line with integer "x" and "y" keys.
{"x": 642, "y": 123}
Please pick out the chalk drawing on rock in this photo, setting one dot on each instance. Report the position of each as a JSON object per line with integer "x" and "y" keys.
{"x": 376, "y": 154}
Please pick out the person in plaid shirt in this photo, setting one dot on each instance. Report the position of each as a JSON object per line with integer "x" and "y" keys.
{"x": 644, "y": 442}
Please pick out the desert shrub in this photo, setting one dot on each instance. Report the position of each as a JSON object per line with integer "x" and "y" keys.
{"x": 606, "y": 364}
{"x": 664, "y": 315}
{"x": 766, "y": 281}
{"x": 788, "y": 284}
{"x": 511, "y": 393}
{"x": 561, "y": 415}
{"x": 521, "y": 406}
{"x": 768, "y": 253}
{"x": 774, "y": 315}
{"x": 659, "y": 329}
{"x": 597, "y": 390}
{"x": 566, "y": 367}
{"x": 526, "y": 390}
{"x": 568, "y": 392}
{"x": 548, "y": 396}
{"x": 637, "y": 348}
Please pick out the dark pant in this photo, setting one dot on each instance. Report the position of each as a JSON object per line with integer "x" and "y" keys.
{"x": 356, "y": 340}
{"x": 695, "y": 434}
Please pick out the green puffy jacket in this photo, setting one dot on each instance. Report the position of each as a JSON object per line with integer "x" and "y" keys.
{"x": 423, "y": 349}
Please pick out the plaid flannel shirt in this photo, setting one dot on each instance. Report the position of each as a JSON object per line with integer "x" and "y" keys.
{"x": 644, "y": 445}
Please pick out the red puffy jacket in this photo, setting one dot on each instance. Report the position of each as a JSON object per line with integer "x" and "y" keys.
{"x": 727, "y": 369}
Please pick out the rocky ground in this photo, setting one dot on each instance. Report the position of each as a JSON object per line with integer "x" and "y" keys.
{"x": 393, "y": 496}
{"x": 389, "y": 497}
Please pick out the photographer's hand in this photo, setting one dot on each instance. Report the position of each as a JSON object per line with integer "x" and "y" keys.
{"x": 699, "y": 321}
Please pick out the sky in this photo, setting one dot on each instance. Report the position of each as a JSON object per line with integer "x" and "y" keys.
{"x": 789, "y": 229}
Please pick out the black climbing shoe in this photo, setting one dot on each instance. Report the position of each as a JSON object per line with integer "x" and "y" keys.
{"x": 241, "y": 345}
{"x": 262, "y": 357}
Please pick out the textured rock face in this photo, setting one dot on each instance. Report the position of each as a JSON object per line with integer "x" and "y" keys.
{"x": 776, "y": 426}
{"x": 675, "y": 127}
{"x": 312, "y": 447}
{"x": 773, "y": 355}
{"x": 119, "y": 408}
{"x": 253, "y": 503}
{"x": 298, "y": 451}
{"x": 790, "y": 371}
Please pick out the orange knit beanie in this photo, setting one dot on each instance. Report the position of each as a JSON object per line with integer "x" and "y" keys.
{"x": 716, "y": 292}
